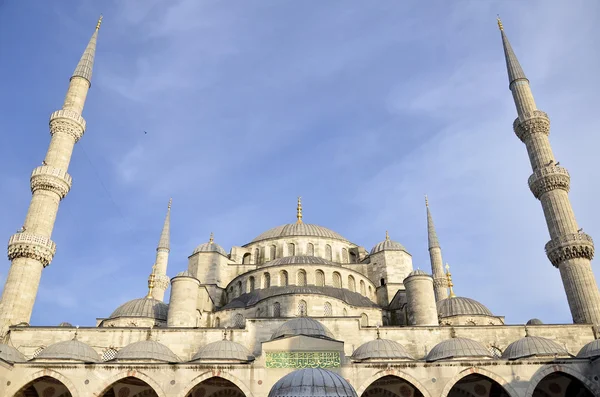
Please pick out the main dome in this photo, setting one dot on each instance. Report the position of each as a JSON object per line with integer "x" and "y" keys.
{"x": 299, "y": 229}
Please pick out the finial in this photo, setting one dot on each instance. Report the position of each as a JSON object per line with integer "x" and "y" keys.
{"x": 387, "y": 236}
{"x": 76, "y": 332}
{"x": 211, "y": 238}
{"x": 170, "y": 202}
{"x": 99, "y": 22}
{"x": 378, "y": 335}
{"x": 500, "y": 23}
{"x": 449, "y": 277}
{"x": 151, "y": 281}
{"x": 526, "y": 331}
{"x": 299, "y": 210}
{"x": 225, "y": 334}
{"x": 426, "y": 201}
{"x": 149, "y": 334}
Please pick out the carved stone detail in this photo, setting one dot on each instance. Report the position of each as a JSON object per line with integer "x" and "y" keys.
{"x": 28, "y": 245}
{"x": 549, "y": 178}
{"x": 570, "y": 246}
{"x": 440, "y": 282}
{"x": 53, "y": 179}
{"x": 532, "y": 123}
{"x": 67, "y": 122}
{"x": 161, "y": 281}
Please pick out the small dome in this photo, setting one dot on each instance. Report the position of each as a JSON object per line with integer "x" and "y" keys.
{"x": 418, "y": 272}
{"x": 381, "y": 349}
{"x": 311, "y": 382}
{"x": 535, "y": 321}
{"x": 223, "y": 350}
{"x": 298, "y": 229}
{"x": 147, "y": 350}
{"x": 387, "y": 245}
{"x": 65, "y": 324}
{"x": 533, "y": 346}
{"x": 10, "y": 354}
{"x": 69, "y": 350}
{"x": 143, "y": 307}
{"x": 210, "y": 247}
{"x": 461, "y": 306}
{"x": 302, "y": 326}
{"x": 299, "y": 260}
{"x": 457, "y": 348}
{"x": 590, "y": 350}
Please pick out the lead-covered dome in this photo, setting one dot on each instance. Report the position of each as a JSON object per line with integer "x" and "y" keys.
{"x": 311, "y": 382}
{"x": 387, "y": 245}
{"x": 211, "y": 246}
{"x": 69, "y": 350}
{"x": 299, "y": 229}
{"x": 147, "y": 350}
{"x": 457, "y": 348}
{"x": 302, "y": 326}
{"x": 590, "y": 350}
{"x": 381, "y": 349}
{"x": 223, "y": 350}
{"x": 533, "y": 346}
{"x": 147, "y": 307}
{"x": 534, "y": 321}
{"x": 10, "y": 354}
{"x": 459, "y": 306}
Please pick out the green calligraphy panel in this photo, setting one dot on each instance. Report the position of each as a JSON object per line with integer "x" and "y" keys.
{"x": 303, "y": 360}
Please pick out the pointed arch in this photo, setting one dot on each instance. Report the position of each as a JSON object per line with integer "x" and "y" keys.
{"x": 480, "y": 371}
{"x": 310, "y": 249}
{"x": 392, "y": 372}
{"x": 131, "y": 374}
{"x": 219, "y": 374}
{"x": 45, "y": 373}
{"x": 319, "y": 278}
{"x": 266, "y": 280}
{"x": 301, "y": 278}
{"x": 552, "y": 368}
{"x": 351, "y": 283}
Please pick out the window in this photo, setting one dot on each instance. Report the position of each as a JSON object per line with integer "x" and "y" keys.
{"x": 353, "y": 257}
{"x": 239, "y": 288}
{"x": 363, "y": 288}
{"x": 496, "y": 353}
{"x": 276, "y": 309}
{"x": 283, "y": 278}
{"x": 291, "y": 249}
{"x": 319, "y": 278}
{"x": 327, "y": 309}
{"x": 344, "y": 255}
{"x": 246, "y": 258}
{"x": 251, "y": 284}
{"x": 302, "y": 308}
{"x": 370, "y": 291}
{"x": 109, "y": 354}
{"x": 273, "y": 252}
{"x": 337, "y": 280}
{"x": 257, "y": 256}
{"x": 238, "y": 321}
{"x": 266, "y": 280}
{"x": 382, "y": 282}
{"x": 364, "y": 320}
{"x": 217, "y": 322}
{"x": 328, "y": 252}
{"x": 345, "y": 312}
{"x": 37, "y": 351}
{"x": 310, "y": 249}
{"x": 257, "y": 313}
{"x": 301, "y": 278}
{"x": 351, "y": 284}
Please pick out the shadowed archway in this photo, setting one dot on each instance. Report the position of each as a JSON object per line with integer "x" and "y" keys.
{"x": 130, "y": 387}
{"x": 391, "y": 386}
{"x": 216, "y": 387}
{"x": 560, "y": 384}
{"x": 43, "y": 387}
{"x": 477, "y": 385}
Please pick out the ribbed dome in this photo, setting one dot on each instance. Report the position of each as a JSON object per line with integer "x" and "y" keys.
{"x": 302, "y": 326}
{"x": 381, "y": 349}
{"x": 210, "y": 247}
{"x": 533, "y": 346}
{"x": 461, "y": 306}
{"x": 590, "y": 350}
{"x": 388, "y": 245}
{"x": 535, "y": 321}
{"x": 65, "y": 324}
{"x": 457, "y": 348}
{"x": 418, "y": 272}
{"x": 10, "y": 354}
{"x": 300, "y": 260}
{"x": 299, "y": 229}
{"x": 147, "y": 350}
{"x": 69, "y": 350}
{"x": 312, "y": 382}
{"x": 143, "y": 307}
{"x": 223, "y": 350}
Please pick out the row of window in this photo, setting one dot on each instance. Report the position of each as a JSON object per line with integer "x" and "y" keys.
{"x": 347, "y": 257}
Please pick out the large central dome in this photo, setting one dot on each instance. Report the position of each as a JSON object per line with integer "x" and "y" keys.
{"x": 299, "y": 229}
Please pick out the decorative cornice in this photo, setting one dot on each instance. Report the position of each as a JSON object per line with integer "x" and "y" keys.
{"x": 28, "y": 245}
{"x": 570, "y": 246}
{"x": 536, "y": 122}
{"x": 67, "y": 122}
{"x": 52, "y": 179}
{"x": 549, "y": 178}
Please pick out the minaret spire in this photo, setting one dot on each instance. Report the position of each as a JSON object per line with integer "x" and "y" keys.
{"x": 569, "y": 249}
{"x": 450, "y": 284}
{"x": 440, "y": 282}
{"x": 31, "y": 249}
{"x": 299, "y": 210}
{"x": 159, "y": 270}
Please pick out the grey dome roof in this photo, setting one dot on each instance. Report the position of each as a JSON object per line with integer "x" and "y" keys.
{"x": 210, "y": 247}
{"x": 387, "y": 245}
{"x": 535, "y": 321}
{"x": 302, "y": 326}
{"x": 456, "y": 348}
{"x": 461, "y": 306}
{"x": 147, "y": 350}
{"x": 418, "y": 272}
{"x": 531, "y": 346}
{"x": 223, "y": 350}
{"x": 298, "y": 229}
{"x": 10, "y": 354}
{"x": 381, "y": 348}
{"x": 143, "y": 307}
{"x": 65, "y": 324}
{"x": 590, "y": 350}
{"x": 69, "y": 350}
{"x": 312, "y": 382}
{"x": 299, "y": 260}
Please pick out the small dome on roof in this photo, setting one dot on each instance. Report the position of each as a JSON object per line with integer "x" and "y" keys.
{"x": 298, "y": 229}
{"x": 65, "y": 324}
{"x": 144, "y": 307}
{"x": 223, "y": 350}
{"x": 312, "y": 382}
{"x": 69, "y": 350}
{"x": 299, "y": 260}
{"x": 147, "y": 350}
{"x": 381, "y": 349}
{"x": 10, "y": 354}
{"x": 590, "y": 350}
{"x": 418, "y": 272}
{"x": 302, "y": 326}
{"x": 535, "y": 321}
{"x": 461, "y": 306}
{"x": 533, "y": 346}
{"x": 457, "y": 348}
{"x": 387, "y": 245}
{"x": 211, "y": 246}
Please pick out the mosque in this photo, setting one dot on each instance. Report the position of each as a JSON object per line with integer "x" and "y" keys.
{"x": 300, "y": 310}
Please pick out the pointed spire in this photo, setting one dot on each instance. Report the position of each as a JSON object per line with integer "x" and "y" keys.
{"x": 211, "y": 238}
{"x": 431, "y": 234}
{"x": 299, "y": 210}
{"x": 165, "y": 236}
{"x": 515, "y": 72}
{"x": 86, "y": 63}
{"x": 387, "y": 236}
{"x": 449, "y": 277}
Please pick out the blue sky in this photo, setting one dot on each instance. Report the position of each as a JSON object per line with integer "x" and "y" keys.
{"x": 359, "y": 107}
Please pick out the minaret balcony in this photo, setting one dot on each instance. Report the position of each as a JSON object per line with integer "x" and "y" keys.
{"x": 33, "y": 246}
{"x": 570, "y": 246}
{"x": 50, "y": 178}
{"x": 549, "y": 178}
{"x": 68, "y": 122}
{"x": 531, "y": 123}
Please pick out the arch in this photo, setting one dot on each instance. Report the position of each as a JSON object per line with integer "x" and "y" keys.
{"x": 310, "y": 249}
{"x": 246, "y": 258}
{"x": 345, "y": 312}
{"x": 337, "y": 280}
{"x": 302, "y": 308}
{"x": 478, "y": 371}
{"x": 132, "y": 373}
{"x": 257, "y": 256}
{"x": 273, "y": 252}
{"x": 327, "y": 309}
{"x": 217, "y": 322}
{"x": 328, "y": 255}
{"x": 109, "y": 354}
{"x": 291, "y": 249}
{"x": 345, "y": 255}
{"x": 45, "y": 373}
{"x": 266, "y": 280}
{"x": 276, "y": 309}
{"x": 238, "y": 290}
{"x": 553, "y": 368}
{"x": 239, "y": 321}
{"x": 319, "y": 278}
{"x": 301, "y": 278}
{"x": 219, "y": 374}
{"x": 351, "y": 283}
{"x": 364, "y": 320}
{"x": 363, "y": 288}
{"x": 251, "y": 283}
{"x": 283, "y": 278}
{"x": 496, "y": 352}
{"x": 392, "y": 372}
{"x": 353, "y": 257}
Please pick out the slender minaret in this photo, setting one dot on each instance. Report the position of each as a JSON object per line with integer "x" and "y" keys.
{"x": 31, "y": 248}
{"x": 440, "y": 282}
{"x": 159, "y": 270}
{"x": 569, "y": 249}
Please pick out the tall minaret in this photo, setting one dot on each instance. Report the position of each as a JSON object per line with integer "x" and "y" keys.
{"x": 569, "y": 249}
{"x": 159, "y": 270}
{"x": 31, "y": 249}
{"x": 440, "y": 281}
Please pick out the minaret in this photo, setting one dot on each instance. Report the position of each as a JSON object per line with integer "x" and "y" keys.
{"x": 440, "y": 282}
{"x": 159, "y": 270}
{"x": 31, "y": 248}
{"x": 569, "y": 249}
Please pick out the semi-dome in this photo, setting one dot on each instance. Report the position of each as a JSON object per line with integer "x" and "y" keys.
{"x": 147, "y": 307}
{"x": 387, "y": 245}
{"x": 457, "y": 306}
{"x": 298, "y": 229}
{"x": 147, "y": 350}
{"x": 311, "y": 382}
{"x": 10, "y": 354}
{"x": 590, "y": 350}
{"x": 302, "y": 326}
{"x": 533, "y": 346}
{"x": 211, "y": 246}
{"x": 535, "y": 321}
{"x": 381, "y": 349}
{"x": 299, "y": 260}
{"x": 223, "y": 350}
{"x": 457, "y": 348}
{"x": 69, "y": 350}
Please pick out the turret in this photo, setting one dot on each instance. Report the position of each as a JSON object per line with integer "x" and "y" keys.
{"x": 30, "y": 250}
{"x": 183, "y": 301}
{"x": 440, "y": 283}
{"x": 161, "y": 281}
{"x": 569, "y": 249}
{"x": 420, "y": 298}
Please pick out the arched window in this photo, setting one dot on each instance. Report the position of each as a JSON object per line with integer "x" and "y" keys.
{"x": 328, "y": 252}
{"x": 283, "y": 278}
{"x": 344, "y": 255}
{"x": 302, "y": 308}
{"x": 363, "y": 288}
{"x": 276, "y": 309}
{"x": 258, "y": 313}
{"x": 337, "y": 280}
{"x": 250, "y": 284}
{"x": 364, "y": 320}
{"x": 301, "y": 278}
{"x": 109, "y": 354}
{"x": 382, "y": 282}
{"x": 239, "y": 290}
{"x": 496, "y": 353}
{"x": 238, "y": 321}
{"x": 246, "y": 258}
{"x": 291, "y": 249}
{"x": 310, "y": 249}
{"x": 37, "y": 351}
{"x": 353, "y": 257}
{"x": 217, "y": 322}
{"x": 319, "y": 278}
{"x": 345, "y": 312}
{"x": 370, "y": 291}
{"x": 266, "y": 280}
{"x": 327, "y": 310}
{"x": 471, "y": 322}
{"x": 273, "y": 252}
{"x": 351, "y": 284}
{"x": 257, "y": 256}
